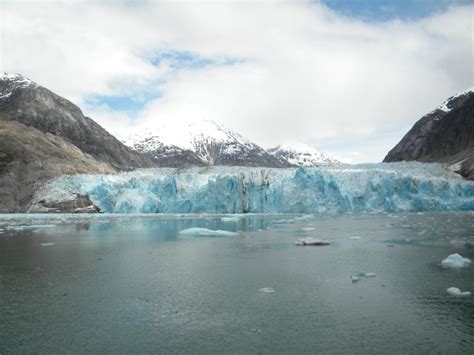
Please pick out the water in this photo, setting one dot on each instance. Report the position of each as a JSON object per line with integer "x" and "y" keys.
{"x": 118, "y": 284}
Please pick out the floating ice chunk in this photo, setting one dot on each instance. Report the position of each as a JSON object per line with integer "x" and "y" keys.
{"x": 267, "y": 290}
{"x": 305, "y": 217}
{"x": 284, "y": 221}
{"x": 369, "y": 274}
{"x": 311, "y": 241}
{"x": 455, "y": 261}
{"x": 230, "y": 219}
{"x": 456, "y": 292}
{"x": 355, "y": 278}
{"x": 31, "y": 226}
{"x": 207, "y": 232}
{"x": 308, "y": 228}
{"x": 47, "y": 244}
{"x": 356, "y": 237}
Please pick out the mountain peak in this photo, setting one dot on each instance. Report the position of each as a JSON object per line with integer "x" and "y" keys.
{"x": 301, "y": 154}
{"x": 11, "y": 81}
{"x": 455, "y": 100}
{"x": 210, "y": 142}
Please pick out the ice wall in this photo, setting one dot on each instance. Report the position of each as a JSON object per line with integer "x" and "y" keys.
{"x": 360, "y": 188}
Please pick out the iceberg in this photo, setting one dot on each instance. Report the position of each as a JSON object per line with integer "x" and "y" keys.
{"x": 267, "y": 290}
{"x": 370, "y": 274}
{"x": 47, "y": 244}
{"x": 207, "y": 232}
{"x": 456, "y": 292}
{"x": 311, "y": 241}
{"x": 230, "y": 219}
{"x": 385, "y": 187}
{"x": 455, "y": 261}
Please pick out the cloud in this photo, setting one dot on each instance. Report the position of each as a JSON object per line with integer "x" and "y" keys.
{"x": 274, "y": 71}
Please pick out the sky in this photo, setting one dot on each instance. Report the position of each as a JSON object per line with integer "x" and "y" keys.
{"x": 349, "y": 77}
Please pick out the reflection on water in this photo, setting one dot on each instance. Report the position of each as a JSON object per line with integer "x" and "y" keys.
{"x": 134, "y": 284}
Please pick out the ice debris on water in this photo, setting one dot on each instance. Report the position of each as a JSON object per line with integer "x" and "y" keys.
{"x": 230, "y": 219}
{"x": 207, "y": 232}
{"x": 267, "y": 290}
{"x": 355, "y": 278}
{"x": 356, "y": 237}
{"x": 308, "y": 228}
{"x": 456, "y": 292}
{"x": 47, "y": 244}
{"x": 311, "y": 241}
{"x": 367, "y": 275}
{"x": 455, "y": 261}
{"x": 394, "y": 187}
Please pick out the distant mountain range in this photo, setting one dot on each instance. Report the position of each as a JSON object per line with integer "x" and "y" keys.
{"x": 209, "y": 143}
{"x": 445, "y": 135}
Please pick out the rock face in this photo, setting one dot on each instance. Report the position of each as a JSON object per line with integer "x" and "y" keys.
{"x": 204, "y": 143}
{"x": 29, "y": 157}
{"x": 24, "y": 101}
{"x": 43, "y": 136}
{"x": 76, "y": 204}
{"x": 301, "y": 155}
{"x": 445, "y": 135}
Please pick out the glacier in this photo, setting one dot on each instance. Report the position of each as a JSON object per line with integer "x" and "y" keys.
{"x": 384, "y": 187}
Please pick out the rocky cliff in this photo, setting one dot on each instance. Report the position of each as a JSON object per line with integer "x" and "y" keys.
{"x": 24, "y": 101}
{"x": 444, "y": 135}
{"x": 29, "y": 157}
{"x": 43, "y": 136}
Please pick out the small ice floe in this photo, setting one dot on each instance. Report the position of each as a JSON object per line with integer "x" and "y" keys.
{"x": 230, "y": 219}
{"x": 308, "y": 229}
{"x": 306, "y": 217}
{"x": 311, "y": 241}
{"x": 456, "y": 292}
{"x": 267, "y": 290}
{"x": 356, "y": 237}
{"x": 355, "y": 278}
{"x": 207, "y": 232}
{"x": 370, "y": 274}
{"x": 455, "y": 261}
{"x": 47, "y": 244}
{"x": 31, "y": 226}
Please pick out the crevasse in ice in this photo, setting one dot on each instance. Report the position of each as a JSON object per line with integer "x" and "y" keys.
{"x": 359, "y": 188}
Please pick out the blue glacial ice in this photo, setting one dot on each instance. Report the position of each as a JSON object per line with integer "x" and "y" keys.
{"x": 205, "y": 232}
{"x": 395, "y": 187}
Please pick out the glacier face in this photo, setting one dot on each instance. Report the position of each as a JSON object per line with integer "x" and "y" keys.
{"x": 386, "y": 187}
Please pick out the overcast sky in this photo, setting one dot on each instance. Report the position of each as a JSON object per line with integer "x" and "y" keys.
{"x": 349, "y": 77}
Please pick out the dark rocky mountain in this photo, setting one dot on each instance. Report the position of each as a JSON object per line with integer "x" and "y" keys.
{"x": 445, "y": 135}
{"x": 43, "y": 135}
{"x": 29, "y": 157}
{"x": 24, "y": 101}
{"x": 204, "y": 143}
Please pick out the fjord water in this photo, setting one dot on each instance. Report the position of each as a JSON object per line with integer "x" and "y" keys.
{"x": 132, "y": 283}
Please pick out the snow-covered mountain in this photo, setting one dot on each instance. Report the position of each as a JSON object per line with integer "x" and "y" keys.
{"x": 10, "y": 82}
{"x": 201, "y": 143}
{"x": 298, "y": 154}
{"x": 455, "y": 100}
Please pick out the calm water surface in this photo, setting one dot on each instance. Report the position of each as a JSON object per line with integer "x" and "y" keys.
{"x": 120, "y": 284}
